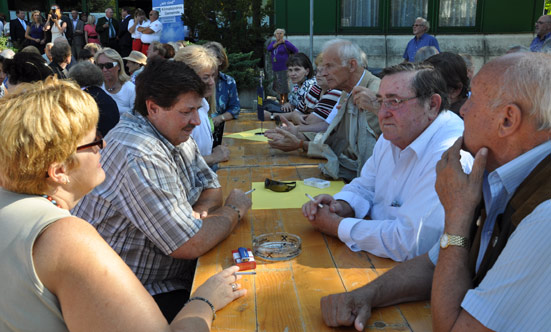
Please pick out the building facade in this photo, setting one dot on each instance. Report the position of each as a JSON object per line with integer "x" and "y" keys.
{"x": 482, "y": 28}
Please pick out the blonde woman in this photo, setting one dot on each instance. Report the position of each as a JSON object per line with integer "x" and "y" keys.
{"x": 205, "y": 65}
{"x": 115, "y": 80}
{"x": 58, "y": 273}
{"x": 90, "y": 34}
{"x": 227, "y": 98}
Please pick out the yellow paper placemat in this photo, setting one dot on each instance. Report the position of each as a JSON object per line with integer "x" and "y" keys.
{"x": 250, "y": 135}
{"x": 265, "y": 199}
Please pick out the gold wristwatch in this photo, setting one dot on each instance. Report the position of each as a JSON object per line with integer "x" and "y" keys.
{"x": 453, "y": 240}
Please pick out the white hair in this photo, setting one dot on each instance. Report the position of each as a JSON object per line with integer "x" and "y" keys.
{"x": 424, "y": 53}
{"x": 528, "y": 80}
{"x": 347, "y": 50}
{"x": 279, "y": 30}
{"x": 425, "y": 22}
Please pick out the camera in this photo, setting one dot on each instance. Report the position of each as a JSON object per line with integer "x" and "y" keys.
{"x": 53, "y": 14}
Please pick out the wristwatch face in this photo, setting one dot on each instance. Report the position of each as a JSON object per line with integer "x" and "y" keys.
{"x": 444, "y": 241}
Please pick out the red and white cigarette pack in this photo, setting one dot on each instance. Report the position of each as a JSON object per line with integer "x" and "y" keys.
{"x": 247, "y": 263}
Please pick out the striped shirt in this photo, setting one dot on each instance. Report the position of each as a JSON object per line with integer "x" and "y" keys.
{"x": 143, "y": 209}
{"x": 327, "y": 103}
{"x": 515, "y": 294}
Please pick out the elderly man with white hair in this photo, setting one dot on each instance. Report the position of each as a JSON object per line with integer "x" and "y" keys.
{"x": 421, "y": 39}
{"x": 352, "y": 134}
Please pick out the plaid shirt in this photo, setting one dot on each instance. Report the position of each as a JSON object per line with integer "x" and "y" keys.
{"x": 143, "y": 209}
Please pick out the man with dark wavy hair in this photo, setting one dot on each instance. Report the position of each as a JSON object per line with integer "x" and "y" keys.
{"x": 161, "y": 206}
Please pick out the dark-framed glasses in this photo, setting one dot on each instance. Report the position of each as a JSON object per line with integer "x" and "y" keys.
{"x": 394, "y": 103}
{"x": 98, "y": 141}
{"x": 279, "y": 186}
{"x": 107, "y": 65}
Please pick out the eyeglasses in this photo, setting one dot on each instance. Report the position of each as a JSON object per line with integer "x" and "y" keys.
{"x": 418, "y": 25}
{"x": 98, "y": 142}
{"x": 107, "y": 65}
{"x": 394, "y": 103}
{"x": 279, "y": 186}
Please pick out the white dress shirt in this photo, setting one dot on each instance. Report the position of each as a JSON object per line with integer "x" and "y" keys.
{"x": 202, "y": 134}
{"x": 396, "y": 190}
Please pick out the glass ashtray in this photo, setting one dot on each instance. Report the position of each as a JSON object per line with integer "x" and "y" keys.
{"x": 277, "y": 246}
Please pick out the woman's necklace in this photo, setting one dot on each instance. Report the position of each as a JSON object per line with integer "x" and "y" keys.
{"x": 51, "y": 199}
{"x": 113, "y": 88}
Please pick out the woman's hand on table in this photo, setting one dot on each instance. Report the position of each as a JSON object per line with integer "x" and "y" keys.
{"x": 217, "y": 120}
{"x": 218, "y": 288}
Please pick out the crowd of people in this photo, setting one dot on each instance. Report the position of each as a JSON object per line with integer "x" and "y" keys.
{"x": 446, "y": 172}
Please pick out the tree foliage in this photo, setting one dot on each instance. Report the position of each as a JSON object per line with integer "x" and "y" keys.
{"x": 243, "y": 69}
{"x": 239, "y": 25}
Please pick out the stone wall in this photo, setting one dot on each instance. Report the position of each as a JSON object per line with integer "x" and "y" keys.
{"x": 383, "y": 51}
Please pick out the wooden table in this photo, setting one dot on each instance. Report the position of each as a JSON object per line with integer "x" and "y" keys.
{"x": 285, "y": 296}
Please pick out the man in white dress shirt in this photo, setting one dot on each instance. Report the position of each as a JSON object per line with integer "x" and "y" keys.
{"x": 151, "y": 32}
{"x": 392, "y": 209}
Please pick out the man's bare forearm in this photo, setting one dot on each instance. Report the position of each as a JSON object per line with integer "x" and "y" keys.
{"x": 209, "y": 200}
{"x": 315, "y": 127}
{"x": 406, "y": 282}
{"x": 216, "y": 227}
{"x": 451, "y": 278}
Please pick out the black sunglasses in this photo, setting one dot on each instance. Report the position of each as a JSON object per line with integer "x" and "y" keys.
{"x": 279, "y": 186}
{"x": 107, "y": 65}
{"x": 98, "y": 142}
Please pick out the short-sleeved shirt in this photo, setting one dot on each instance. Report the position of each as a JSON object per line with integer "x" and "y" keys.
{"x": 144, "y": 208}
{"x": 149, "y": 38}
{"x": 537, "y": 42}
{"x": 415, "y": 44}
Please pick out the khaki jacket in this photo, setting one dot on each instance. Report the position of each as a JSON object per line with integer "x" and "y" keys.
{"x": 350, "y": 138}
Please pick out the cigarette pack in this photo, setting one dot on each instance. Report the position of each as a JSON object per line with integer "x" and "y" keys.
{"x": 318, "y": 183}
{"x": 244, "y": 263}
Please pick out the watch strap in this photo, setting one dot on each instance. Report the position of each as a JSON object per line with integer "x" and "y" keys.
{"x": 457, "y": 240}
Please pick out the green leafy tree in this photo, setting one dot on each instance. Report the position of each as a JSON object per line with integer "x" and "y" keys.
{"x": 244, "y": 69}
{"x": 239, "y": 25}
